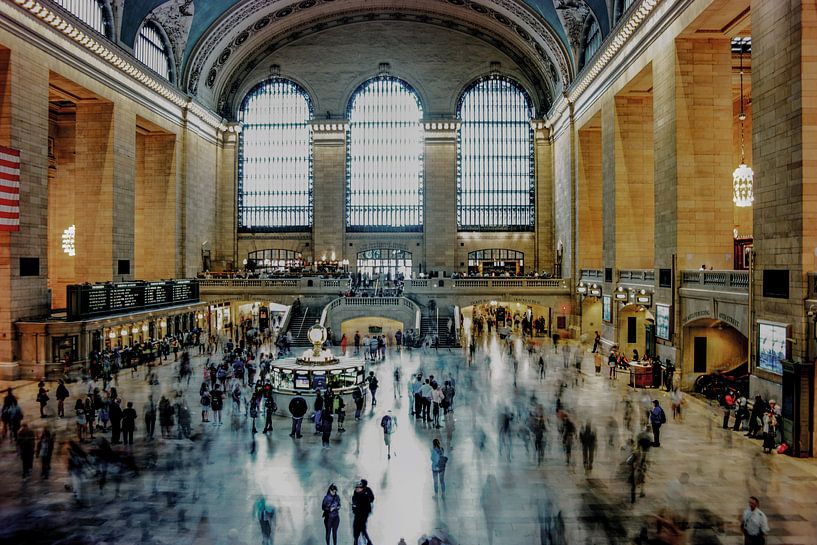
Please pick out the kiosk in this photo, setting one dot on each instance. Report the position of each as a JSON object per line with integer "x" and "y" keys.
{"x": 317, "y": 368}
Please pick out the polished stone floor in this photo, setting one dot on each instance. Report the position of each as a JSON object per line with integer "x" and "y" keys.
{"x": 202, "y": 491}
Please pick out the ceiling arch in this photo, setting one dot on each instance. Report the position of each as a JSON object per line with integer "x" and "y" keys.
{"x": 230, "y": 86}
{"x": 253, "y": 25}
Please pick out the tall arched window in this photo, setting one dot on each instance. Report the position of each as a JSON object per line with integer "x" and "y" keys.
{"x": 384, "y": 157}
{"x": 151, "y": 49}
{"x": 90, "y": 12}
{"x": 592, "y": 41}
{"x": 495, "y": 190}
{"x": 275, "y": 158}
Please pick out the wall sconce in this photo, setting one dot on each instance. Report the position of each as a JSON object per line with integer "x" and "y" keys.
{"x": 581, "y": 288}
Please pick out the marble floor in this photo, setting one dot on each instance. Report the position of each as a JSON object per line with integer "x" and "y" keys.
{"x": 202, "y": 491}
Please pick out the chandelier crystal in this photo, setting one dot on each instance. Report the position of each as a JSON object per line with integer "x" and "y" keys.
{"x": 743, "y": 177}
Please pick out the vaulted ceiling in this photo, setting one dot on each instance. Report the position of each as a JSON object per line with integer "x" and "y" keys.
{"x": 217, "y": 43}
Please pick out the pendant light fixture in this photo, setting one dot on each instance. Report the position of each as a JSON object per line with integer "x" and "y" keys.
{"x": 743, "y": 176}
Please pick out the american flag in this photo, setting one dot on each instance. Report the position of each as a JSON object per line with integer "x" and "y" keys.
{"x": 9, "y": 189}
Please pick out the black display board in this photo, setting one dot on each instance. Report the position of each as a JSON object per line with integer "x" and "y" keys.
{"x": 95, "y": 300}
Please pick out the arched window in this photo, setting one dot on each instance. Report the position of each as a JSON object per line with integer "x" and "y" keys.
{"x": 388, "y": 262}
{"x": 384, "y": 170}
{"x": 151, "y": 49}
{"x": 90, "y": 12}
{"x": 495, "y": 180}
{"x": 275, "y": 158}
{"x": 621, "y": 8}
{"x": 496, "y": 261}
{"x": 592, "y": 41}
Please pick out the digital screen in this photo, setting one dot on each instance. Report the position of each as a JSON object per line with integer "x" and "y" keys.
{"x": 87, "y": 300}
{"x": 302, "y": 382}
{"x": 771, "y": 346}
{"x": 606, "y": 308}
{"x": 318, "y": 381}
{"x": 662, "y": 316}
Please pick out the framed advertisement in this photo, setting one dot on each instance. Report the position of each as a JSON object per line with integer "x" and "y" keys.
{"x": 662, "y": 321}
{"x": 606, "y": 308}
{"x": 772, "y": 346}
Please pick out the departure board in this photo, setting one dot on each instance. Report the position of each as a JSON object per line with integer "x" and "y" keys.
{"x": 95, "y": 300}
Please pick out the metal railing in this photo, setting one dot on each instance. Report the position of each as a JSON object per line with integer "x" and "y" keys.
{"x": 380, "y": 302}
{"x": 714, "y": 280}
{"x": 460, "y": 283}
{"x": 312, "y": 283}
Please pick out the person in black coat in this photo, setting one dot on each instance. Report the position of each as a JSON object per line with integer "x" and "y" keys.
{"x": 297, "y": 408}
{"x": 25, "y": 446}
{"x": 755, "y": 420}
{"x": 362, "y": 500}
{"x": 128, "y": 423}
{"x": 62, "y": 395}
{"x": 115, "y": 414}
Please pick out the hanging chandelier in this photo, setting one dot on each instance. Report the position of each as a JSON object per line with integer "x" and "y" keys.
{"x": 743, "y": 176}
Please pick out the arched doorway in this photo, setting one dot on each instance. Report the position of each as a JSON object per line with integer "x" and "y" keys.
{"x": 591, "y": 316}
{"x": 711, "y": 345}
{"x": 389, "y": 263}
{"x": 496, "y": 261}
{"x": 636, "y": 330}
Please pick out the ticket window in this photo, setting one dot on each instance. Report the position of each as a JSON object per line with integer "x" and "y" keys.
{"x": 64, "y": 349}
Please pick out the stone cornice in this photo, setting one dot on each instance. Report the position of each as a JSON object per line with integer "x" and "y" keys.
{"x": 605, "y": 62}
{"x": 116, "y": 58}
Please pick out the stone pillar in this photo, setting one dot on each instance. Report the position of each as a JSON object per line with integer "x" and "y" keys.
{"x": 329, "y": 188}
{"x": 440, "y": 195}
{"x": 543, "y": 225}
{"x": 155, "y": 206}
{"x": 784, "y": 82}
{"x": 227, "y": 200}
{"x": 589, "y": 209}
{"x": 24, "y": 126}
{"x": 703, "y": 111}
{"x": 609, "y": 208}
{"x": 633, "y": 168}
{"x": 564, "y": 192}
{"x": 123, "y": 188}
{"x": 94, "y": 192}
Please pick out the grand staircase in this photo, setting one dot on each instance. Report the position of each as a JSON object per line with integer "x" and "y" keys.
{"x": 427, "y": 327}
{"x": 302, "y": 319}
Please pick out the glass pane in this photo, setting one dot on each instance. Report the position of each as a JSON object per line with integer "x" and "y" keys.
{"x": 495, "y": 170}
{"x": 275, "y": 159}
{"x": 385, "y": 157}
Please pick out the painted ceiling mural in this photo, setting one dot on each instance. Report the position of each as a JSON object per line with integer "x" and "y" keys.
{"x": 218, "y": 42}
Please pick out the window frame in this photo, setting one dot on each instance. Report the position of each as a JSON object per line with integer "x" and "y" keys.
{"x": 240, "y": 162}
{"x": 415, "y": 228}
{"x": 105, "y": 12}
{"x": 531, "y": 162}
{"x": 167, "y": 49}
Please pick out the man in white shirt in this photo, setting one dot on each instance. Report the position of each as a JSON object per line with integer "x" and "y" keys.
{"x": 754, "y": 524}
{"x": 425, "y": 393}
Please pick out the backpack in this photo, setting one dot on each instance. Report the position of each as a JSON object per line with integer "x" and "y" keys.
{"x": 387, "y": 423}
{"x": 373, "y": 383}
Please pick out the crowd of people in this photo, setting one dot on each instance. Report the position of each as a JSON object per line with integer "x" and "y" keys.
{"x": 537, "y": 420}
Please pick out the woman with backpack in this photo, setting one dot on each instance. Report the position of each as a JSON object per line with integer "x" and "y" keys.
{"x": 42, "y": 397}
{"x": 438, "y": 463}
{"x": 217, "y": 403}
{"x": 204, "y": 394}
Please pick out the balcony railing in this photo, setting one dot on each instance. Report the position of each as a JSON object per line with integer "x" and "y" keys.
{"x": 716, "y": 280}
{"x": 369, "y": 302}
{"x": 329, "y": 285}
{"x": 593, "y": 275}
{"x": 470, "y": 284}
{"x": 637, "y": 276}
